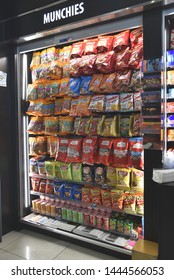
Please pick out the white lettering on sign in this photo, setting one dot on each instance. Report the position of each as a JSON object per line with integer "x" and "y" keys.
{"x": 64, "y": 13}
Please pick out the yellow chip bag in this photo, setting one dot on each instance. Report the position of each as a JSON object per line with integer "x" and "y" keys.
{"x": 123, "y": 178}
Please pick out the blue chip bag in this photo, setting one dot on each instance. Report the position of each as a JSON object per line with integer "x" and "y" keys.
{"x": 84, "y": 86}
{"x": 59, "y": 189}
{"x": 77, "y": 192}
{"x": 68, "y": 191}
{"x": 74, "y": 86}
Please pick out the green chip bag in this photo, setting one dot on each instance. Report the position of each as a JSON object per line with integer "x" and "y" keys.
{"x": 76, "y": 170}
{"x": 65, "y": 171}
{"x": 50, "y": 169}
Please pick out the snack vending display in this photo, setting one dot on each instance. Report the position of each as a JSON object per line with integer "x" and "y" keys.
{"x": 83, "y": 142}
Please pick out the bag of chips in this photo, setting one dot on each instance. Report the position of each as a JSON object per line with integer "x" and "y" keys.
{"x": 50, "y": 169}
{"x": 49, "y": 188}
{"x": 62, "y": 149}
{"x": 74, "y": 67}
{"x": 51, "y": 125}
{"x": 83, "y": 126}
{"x": 117, "y": 199}
{"x": 76, "y": 169}
{"x": 36, "y": 125}
{"x": 105, "y": 151}
{"x": 87, "y": 64}
{"x": 63, "y": 88}
{"x": 122, "y": 59}
{"x": 84, "y": 85}
{"x": 120, "y": 152}
{"x": 57, "y": 170}
{"x": 86, "y": 194}
{"x": 94, "y": 124}
{"x": 126, "y": 102}
{"x": 35, "y": 184}
{"x": 137, "y": 180}
{"x": 77, "y": 49}
{"x": 82, "y": 106}
{"x": 136, "y": 152}
{"x": 65, "y": 170}
{"x": 123, "y": 178}
{"x": 37, "y": 145}
{"x": 108, "y": 82}
{"x": 66, "y": 125}
{"x": 97, "y": 103}
{"x": 129, "y": 202}
{"x": 106, "y": 198}
{"x": 96, "y": 196}
{"x": 112, "y": 102}
{"x": 89, "y": 150}
{"x": 105, "y": 62}
{"x": 121, "y": 41}
{"x": 90, "y": 46}
{"x": 87, "y": 173}
{"x": 74, "y": 150}
{"x": 96, "y": 83}
{"x": 104, "y": 44}
{"x": 99, "y": 174}
{"x": 125, "y": 125}
{"x": 73, "y": 109}
{"x": 74, "y": 86}
{"x": 31, "y": 92}
{"x": 52, "y": 145}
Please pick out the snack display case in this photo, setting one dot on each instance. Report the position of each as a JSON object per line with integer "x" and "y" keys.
{"x": 80, "y": 135}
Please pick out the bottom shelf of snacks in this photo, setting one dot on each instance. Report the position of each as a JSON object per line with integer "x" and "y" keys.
{"x": 94, "y": 236}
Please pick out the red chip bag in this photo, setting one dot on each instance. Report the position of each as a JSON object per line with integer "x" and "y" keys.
{"x": 74, "y": 67}
{"x": 105, "y": 151}
{"x": 122, "y": 80}
{"x": 121, "y": 40}
{"x": 122, "y": 58}
{"x": 105, "y": 62}
{"x": 62, "y": 149}
{"x": 49, "y": 189}
{"x": 104, "y": 44}
{"x": 87, "y": 64}
{"x": 77, "y": 49}
{"x": 136, "y": 152}
{"x": 136, "y": 56}
{"x": 74, "y": 150}
{"x": 135, "y": 36}
{"x": 90, "y": 46}
{"x": 120, "y": 152}
{"x": 89, "y": 150}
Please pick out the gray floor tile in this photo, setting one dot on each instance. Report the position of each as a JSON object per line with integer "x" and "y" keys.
{"x": 4, "y": 255}
{"x": 75, "y": 252}
{"x": 10, "y": 237}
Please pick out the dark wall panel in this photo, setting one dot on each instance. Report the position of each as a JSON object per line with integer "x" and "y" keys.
{"x": 152, "y": 25}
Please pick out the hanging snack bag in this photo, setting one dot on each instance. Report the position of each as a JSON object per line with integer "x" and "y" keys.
{"x": 57, "y": 170}
{"x": 111, "y": 176}
{"x": 136, "y": 82}
{"x": 35, "y": 184}
{"x": 31, "y": 92}
{"x": 136, "y": 153}
{"x": 41, "y": 168}
{"x": 66, "y": 69}
{"x": 106, "y": 198}
{"x": 76, "y": 169}
{"x": 74, "y": 150}
{"x": 96, "y": 196}
{"x": 84, "y": 85}
{"x": 68, "y": 191}
{"x": 137, "y": 125}
{"x": 136, "y": 36}
{"x": 66, "y": 105}
{"x": 43, "y": 56}
{"x": 87, "y": 64}
{"x": 90, "y": 46}
{"x": 117, "y": 199}
{"x": 126, "y": 125}
{"x": 139, "y": 203}
{"x": 58, "y": 189}
{"x": 36, "y": 125}
{"x": 129, "y": 202}
{"x": 100, "y": 174}
{"x": 122, "y": 80}
{"x": 120, "y": 152}
{"x": 121, "y": 41}
{"x": 137, "y": 180}
{"x": 62, "y": 149}
{"x": 47, "y": 108}
{"x": 77, "y": 192}
{"x": 105, "y": 62}
{"x": 52, "y": 145}
{"x": 35, "y": 61}
{"x": 52, "y": 54}
{"x": 73, "y": 109}
{"x": 37, "y": 145}
{"x": 55, "y": 85}
{"x": 97, "y": 103}
{"x": 49, "y": 189}
{"x": 82, "y": 106}
{"x": 58, "y": 106}
{"x": 137, "y": 101}
{"x": 55, "y": 70}
{"x": 33, "y": 167}
{"x": 77, "y": 49}
{"x": 89, "y": 150}
{"x": 76, "y": 124}
{"x": 87, "y": 173}
{"x": 34, "y": 108}
{"x": 74, "y": 67}
{"x": 83, "y": 126}
{"x": 63, "y": 88}
{"x": 123, "y": 178}
{"x": 86, "y": 194}
{"x": 42, "y": 186}
{"x": 109, "y": 126}
{"x": 51, "y": 125}
{"x": 126, "y": 102}
{"x": 65, "y": 170}
{"x": 136, "y": 57}
{"x": 93, "y": 127}
{"x": 74, "y": 86}
{"x": 64, "y": 54}
{"x": 105, "y": 151}
{"x": 112, "y": 103}
{"x": 66, "y": 125}
{"x": 108, "y": 82}
{"x": 104, "y": 44}
{"x": 96, "y": 83}
{"x": 50, "y": 169}
{"x": 122, "y": 59}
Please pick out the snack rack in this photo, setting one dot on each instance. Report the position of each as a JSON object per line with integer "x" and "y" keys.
{"x": 28, "y": 196}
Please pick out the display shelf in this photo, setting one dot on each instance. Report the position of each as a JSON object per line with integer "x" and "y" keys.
{"x": 65, "y": 224}
{"x": 93, "y": 205}
{"x": 77, "y": 236}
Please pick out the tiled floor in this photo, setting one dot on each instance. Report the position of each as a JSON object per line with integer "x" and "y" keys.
{"x": 31, "y": 245}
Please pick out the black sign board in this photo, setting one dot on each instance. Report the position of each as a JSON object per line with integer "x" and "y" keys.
{"x": 61, "y": 14}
